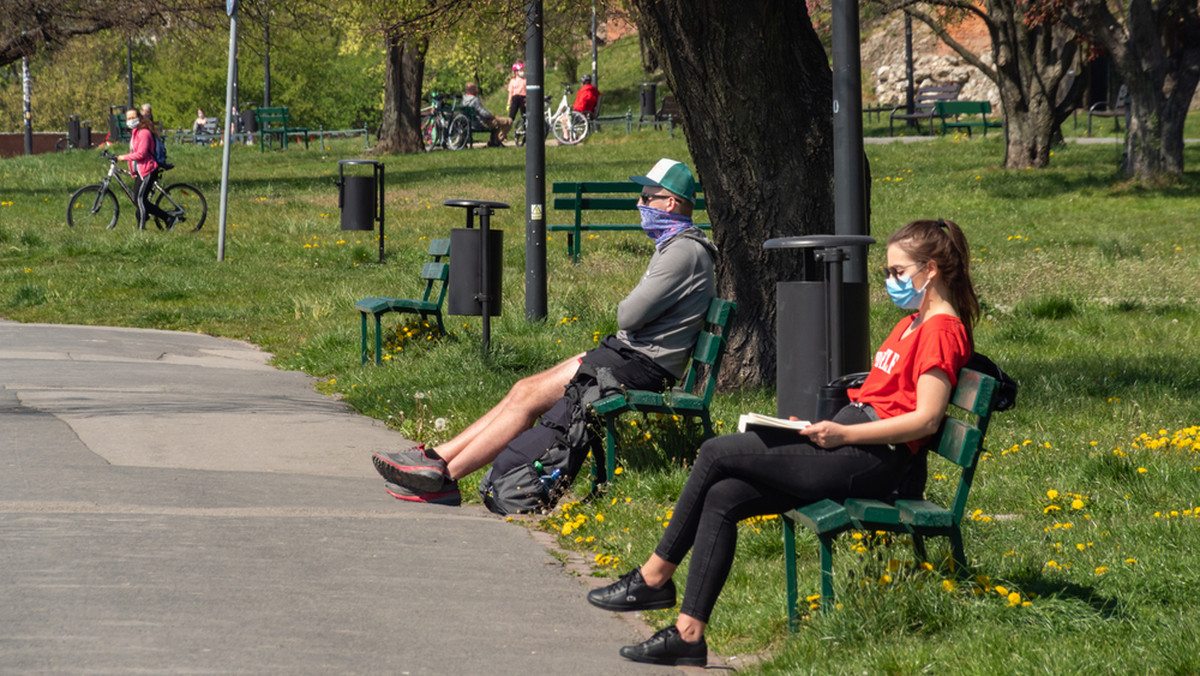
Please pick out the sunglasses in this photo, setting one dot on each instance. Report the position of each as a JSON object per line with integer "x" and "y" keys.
{"x": 647, "y": 196}
{"x": 897, "y": 271}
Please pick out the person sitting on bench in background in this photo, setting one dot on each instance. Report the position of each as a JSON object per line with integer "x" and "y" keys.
{"x": 499, "y": 124}
{"x": 659, "y": 324}
{"x": 866, "y": 451}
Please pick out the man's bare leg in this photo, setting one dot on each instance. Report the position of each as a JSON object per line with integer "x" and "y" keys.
{"x": 485, "y": 438}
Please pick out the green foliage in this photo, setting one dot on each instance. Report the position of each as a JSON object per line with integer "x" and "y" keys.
{"x": 83, "y": 78}
{"x": 1102, "y": 338}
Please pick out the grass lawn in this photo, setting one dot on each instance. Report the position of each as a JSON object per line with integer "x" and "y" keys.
{"x": 1087, "y": 498}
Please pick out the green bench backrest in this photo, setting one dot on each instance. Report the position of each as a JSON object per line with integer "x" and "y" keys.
{"x": 961, "y": 441}
{"x": 581, "y": 189}
{"x": 962, "y": 107}
{"x": 436, "y": 271}
{"x": 710, "y": 346}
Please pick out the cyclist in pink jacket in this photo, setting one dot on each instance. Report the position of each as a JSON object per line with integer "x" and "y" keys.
{"x": 142, "y": 167}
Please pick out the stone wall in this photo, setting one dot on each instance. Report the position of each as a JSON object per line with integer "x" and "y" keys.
{"x": 933, "y": 62}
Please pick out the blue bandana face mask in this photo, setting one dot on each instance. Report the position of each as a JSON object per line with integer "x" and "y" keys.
{"x": 903, "y": 294}
{"x": 662, "y": 225}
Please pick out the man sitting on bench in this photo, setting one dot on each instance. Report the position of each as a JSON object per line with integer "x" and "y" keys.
{"x": 499, "y": 125}
{"x": 659, "y": 324}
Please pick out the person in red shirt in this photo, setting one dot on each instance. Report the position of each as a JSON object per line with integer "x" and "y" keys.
{"x": 867, "y": 450}
{"x": 587, "y": 98}
{"x": 142, "y": 167}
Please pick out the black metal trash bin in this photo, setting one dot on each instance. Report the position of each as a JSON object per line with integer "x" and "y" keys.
{"x": 817, "y": 339}
{"x": 649, "y": 100}
{"x": 73, "y": 131}
{"x": 85, "y": 134}
{"x": 467, "y": 285}
{"x": 476, "y": 265}
{"x": 360, "y": 198}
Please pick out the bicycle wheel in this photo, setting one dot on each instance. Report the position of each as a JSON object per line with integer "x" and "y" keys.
{"x": 519, "y": 132}
{"x": 430, "y": 133}
{"x": 459, "y": 133}
{"x": 184, "y": 201}
{"x": 90, "y": 206}
{"x": 571, "y": 129}
{"x": 62, "y": 144}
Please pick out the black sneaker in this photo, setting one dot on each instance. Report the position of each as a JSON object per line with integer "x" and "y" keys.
{"x": 419, "y": 469}
{"x": 668, "y": 647}
{"x": 632, "y": 593}
{"x": 448, "y": 494}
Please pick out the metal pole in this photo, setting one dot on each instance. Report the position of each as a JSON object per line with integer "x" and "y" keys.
{"x": 27, "y": 103}
{"x": 909, "y": 90}
{"x": 230, "y": 77}
{"x": 595, "y": 73}
{"x": 485, "y": 295}
{"x": 535, "y": 168}
{"x": 267, "y": 58}
{"x": 848, "y": 169}
{"x": 379, "y": 182}
{"x": 129, "y": 70}
{"x": 849, "y": 187}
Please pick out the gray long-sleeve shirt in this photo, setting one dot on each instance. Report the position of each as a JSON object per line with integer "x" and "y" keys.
{"x": 664, "y": 313}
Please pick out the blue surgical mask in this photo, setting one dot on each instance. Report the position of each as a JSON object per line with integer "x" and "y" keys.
{"x": 904, "y": 294}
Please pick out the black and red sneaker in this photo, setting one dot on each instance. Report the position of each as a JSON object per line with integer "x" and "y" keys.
{"x": 448, "y": 494}
{"x": 419, "y": 469}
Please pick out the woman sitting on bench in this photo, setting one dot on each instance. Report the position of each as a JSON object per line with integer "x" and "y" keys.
{"x": 863, "y": 452}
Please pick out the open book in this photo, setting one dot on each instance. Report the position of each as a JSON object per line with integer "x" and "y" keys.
{"x": 749, "y": 421}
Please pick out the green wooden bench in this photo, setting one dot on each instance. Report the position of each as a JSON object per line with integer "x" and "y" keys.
{"x": 923, "y": 105}
{"x": 689, "y": 399}
{"x": 434, "y": 273}
{"x": 958, "y": 441}
{"x": 583, "y": 198}
{"x": 277, "y": 120}
{"x": 950, "y": 111}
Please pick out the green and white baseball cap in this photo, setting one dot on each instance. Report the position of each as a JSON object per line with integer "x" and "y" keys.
{"x": 672, "y": 175}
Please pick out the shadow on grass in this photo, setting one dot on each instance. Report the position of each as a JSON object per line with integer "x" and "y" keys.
{"x": 1105, "y": 607}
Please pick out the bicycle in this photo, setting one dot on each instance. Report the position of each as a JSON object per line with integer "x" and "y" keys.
{"x": 570, "y": 127}
{"x": 96, "y": 203}
{"x": 442, "y": 127}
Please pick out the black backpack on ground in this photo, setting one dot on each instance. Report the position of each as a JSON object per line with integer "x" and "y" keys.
{"x": 537, "y": 467}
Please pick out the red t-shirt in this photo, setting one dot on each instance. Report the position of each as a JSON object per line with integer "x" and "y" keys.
{"x": 891, "y": 386}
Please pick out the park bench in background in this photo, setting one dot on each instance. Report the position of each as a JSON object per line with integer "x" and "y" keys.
{"x": 923, "y": 105}
{"x": 582, "y": 198}
{"x": 1117, "y": 111}
{"x": 690, "y": 399}
{"x": 950, "y": 113}
{"x": 277, "y": 121}
{"x": 435, "y": 272}
{"x": 959, "y": 441}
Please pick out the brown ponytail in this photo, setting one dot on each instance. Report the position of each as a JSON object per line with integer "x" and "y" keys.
{"x": 943, "y": 241}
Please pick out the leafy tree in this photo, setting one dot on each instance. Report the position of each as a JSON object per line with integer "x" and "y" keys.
{"x": 31, "y": 26}
{"x": 81, "y": 78}
{"x": 1155, "y": 49}
{"x": 749, "y": 75}
{"x": 1032, "y": 54}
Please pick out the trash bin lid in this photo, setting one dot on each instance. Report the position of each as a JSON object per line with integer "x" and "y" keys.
{"x": 474, "y": 203}
{"x": 818, "y": 241}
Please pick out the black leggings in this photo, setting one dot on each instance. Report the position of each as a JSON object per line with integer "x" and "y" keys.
{"x": 738, "y": 476}
{"x": 142, "y": 190}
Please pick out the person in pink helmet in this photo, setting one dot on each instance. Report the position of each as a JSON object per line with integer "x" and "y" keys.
{"x": 516, "y": 91}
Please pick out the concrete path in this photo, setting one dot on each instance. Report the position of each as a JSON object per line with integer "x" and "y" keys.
{"x": 171, "y": 504}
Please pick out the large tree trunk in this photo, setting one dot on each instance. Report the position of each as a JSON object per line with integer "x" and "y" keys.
{"x": 755, "y": 89}
{"x": 1155, "y": 48}
{"x": 1031, "y": 64}
{"x": 400, "y": 130}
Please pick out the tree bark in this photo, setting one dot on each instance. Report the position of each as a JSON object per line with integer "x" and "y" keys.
{"x": 400, "y": 129}
{"x": 1155, "y": 48}
{"x": 1032, "y": 60}
{"x": 755, "y": 89}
